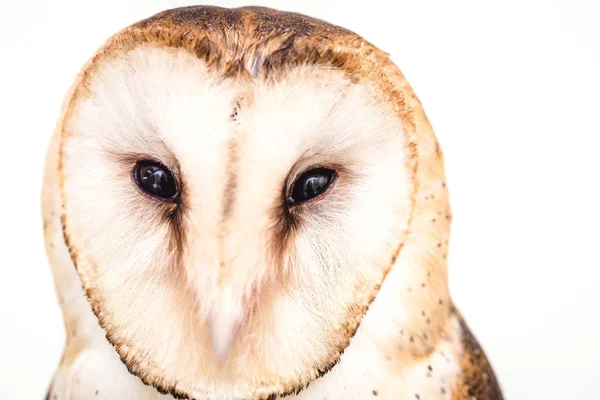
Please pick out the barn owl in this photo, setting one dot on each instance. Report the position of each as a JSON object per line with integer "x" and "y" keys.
{"x": 251, "y": 204}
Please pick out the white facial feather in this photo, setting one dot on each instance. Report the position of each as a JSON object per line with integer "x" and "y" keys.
{"x": 164, "y": 104}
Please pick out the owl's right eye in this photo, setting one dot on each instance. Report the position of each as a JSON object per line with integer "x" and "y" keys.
{"x": 155, "y": 180}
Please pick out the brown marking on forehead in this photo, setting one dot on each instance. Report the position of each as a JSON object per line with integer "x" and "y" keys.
{"x": 231, "y": 184}
{"x": 228, "y": 198}
{"x": 253, "y": 23}
{"x": 256, "y": 41}
{"x": 477, "y": 379}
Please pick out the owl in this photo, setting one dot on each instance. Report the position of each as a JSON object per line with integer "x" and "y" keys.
{"x": 251, "y": 204}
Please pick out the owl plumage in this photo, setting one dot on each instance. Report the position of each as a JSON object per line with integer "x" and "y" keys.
{"x": 298, "y": 246}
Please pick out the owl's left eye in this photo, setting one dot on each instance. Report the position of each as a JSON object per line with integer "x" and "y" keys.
{"x": 311, "y": 185}
{"x": 155, "y": 180}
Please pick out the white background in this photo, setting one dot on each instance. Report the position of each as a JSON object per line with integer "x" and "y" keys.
{"x": 513, "y": 91}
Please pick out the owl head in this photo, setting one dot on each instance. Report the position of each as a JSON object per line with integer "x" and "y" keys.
{"x": 240, "y": 190}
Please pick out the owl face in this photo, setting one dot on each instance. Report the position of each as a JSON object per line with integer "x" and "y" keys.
{"x": 231, "y": 225}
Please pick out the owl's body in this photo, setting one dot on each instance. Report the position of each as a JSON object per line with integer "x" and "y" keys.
{"x": 239, "y": 285}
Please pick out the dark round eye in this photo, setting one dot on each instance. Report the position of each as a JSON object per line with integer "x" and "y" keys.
{"x": 155, "y": 180}
{"x": 311, "y": 184}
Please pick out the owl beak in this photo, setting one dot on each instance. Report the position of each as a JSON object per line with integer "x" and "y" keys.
{"x": 223, "y": 324}
{"x": 222, "y": 337}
